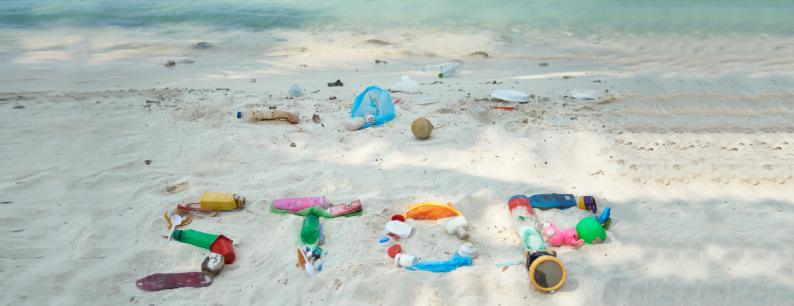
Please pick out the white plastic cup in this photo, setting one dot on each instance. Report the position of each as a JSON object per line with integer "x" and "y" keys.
{"x": 399, "y": 228}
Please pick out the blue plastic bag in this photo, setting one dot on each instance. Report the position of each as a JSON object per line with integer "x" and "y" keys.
{"x": 442, "y": 266}
{"x": 375, "y": 101}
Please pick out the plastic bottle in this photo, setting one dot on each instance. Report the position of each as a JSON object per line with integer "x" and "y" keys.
{"x": 480, "y": 113}
{"x": 445, "y": 69}
{"x": 295, "y": 91}
{"x": 218, "y": 244}
{"x": 356, "y": 123}
{"x": 457, "y": 226}
{"x": 255, "y": 115}
{"x": 221, "y": 201}
{"x": 524, "y": 222}
{"x": 468, "y": 250}
{"x": 310, "y": 231}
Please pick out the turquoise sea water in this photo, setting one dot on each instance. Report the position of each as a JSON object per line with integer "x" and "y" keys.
{"x": 34, "y": 31}
{"x": 596, "y": 16}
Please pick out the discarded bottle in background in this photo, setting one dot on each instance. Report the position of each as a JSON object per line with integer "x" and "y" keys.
{"x": 480, "y": 113}
{"x": 310, "y": 231}
{"x": 295, "y": 91}
{"x": 255, "y": 115}
{"x": 445, "y": 69}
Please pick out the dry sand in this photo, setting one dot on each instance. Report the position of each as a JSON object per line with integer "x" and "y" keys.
{"x": 697, "y": 168}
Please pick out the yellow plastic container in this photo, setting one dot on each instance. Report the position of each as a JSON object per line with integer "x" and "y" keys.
{"x": 221, "y": 201}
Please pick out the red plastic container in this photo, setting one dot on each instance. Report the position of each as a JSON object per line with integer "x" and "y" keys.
{"x": 223, "y": 246}
{"x": 398, "y": 218}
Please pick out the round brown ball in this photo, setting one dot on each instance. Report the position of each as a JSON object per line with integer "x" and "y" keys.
{"x": 422, "y": 128}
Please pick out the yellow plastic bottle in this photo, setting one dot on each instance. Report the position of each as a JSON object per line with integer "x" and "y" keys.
{"x": 221, "y": 201}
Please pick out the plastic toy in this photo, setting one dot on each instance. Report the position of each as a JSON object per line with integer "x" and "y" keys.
{"x": 591, "y": 231}
{"x": 604, "y": 219}
{"x": 431, "y": 210}
{"x": 588, "y": 203}
{"x": 558, "y": 238}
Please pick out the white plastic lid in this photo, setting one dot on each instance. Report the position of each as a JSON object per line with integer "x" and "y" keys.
{"x": 510, "y": 95}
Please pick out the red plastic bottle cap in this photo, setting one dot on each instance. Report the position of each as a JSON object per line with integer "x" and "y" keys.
{"x": 398, "y": 218}
{"x": 394, "y": 250}
{"x": 223, "y": 246}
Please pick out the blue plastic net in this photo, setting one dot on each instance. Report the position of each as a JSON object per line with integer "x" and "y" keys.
{"x": 442, "y": 266}
{"x": 375, "y": 101}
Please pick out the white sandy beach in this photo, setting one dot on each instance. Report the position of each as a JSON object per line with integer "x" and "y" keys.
{"x": 696, "y": 165}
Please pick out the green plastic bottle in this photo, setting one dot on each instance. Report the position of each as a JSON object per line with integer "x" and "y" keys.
{"x": 199, "y": 239}
{"x": 310, "y": 229}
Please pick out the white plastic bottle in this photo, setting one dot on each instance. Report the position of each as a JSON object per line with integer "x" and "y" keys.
{"x": 480, "y": 113}
{"x": 445, "y": 69}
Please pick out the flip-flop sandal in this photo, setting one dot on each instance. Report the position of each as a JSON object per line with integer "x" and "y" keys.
{"x": 161, "y": 281}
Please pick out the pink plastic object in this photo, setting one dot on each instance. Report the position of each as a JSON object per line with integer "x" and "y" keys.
{"x": 298, "y": 204}
{"x": 557, "y": 238}
{"x": 398, "y": 218}
{"x": 341, "y": 209}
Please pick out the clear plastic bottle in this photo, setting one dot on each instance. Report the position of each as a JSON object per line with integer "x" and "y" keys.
{"x": 445, "y": 69}
{"x": 255, "y": 115}
{"x": 480, "y": 113}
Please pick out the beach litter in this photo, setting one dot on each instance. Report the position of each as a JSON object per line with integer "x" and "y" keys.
{"x": 584, "y": 94}
{"x": 442, "y": 266}
{"x": 255, "y": 115}
{"x": 315, "y": 205}
{"x": 212, "y": 265}
{"x": 295, "y": 91}
{"x": 480, "y": 113}
{"x": 557, "y": 238}
{"x": 545, "y": 271}
{"x": 426, "y": 100}
{"x": 510, "y": 95}
{"x": 421, "y": 128}
{"x": 406, "y": 85}
{"x": 218, "y": 244}
{"x": 337, "y": 83}
{"x": 375, "y": 102}
{"x": 161, "y": 281}
{"x": 458, "y": 226}
{"x": 445, "y": 69}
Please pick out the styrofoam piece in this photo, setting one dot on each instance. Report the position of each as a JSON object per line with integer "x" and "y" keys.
{"x": 510, "y": 95}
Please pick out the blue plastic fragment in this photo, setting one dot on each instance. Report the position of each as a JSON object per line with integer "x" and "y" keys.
{"x": 604, "y": 215}
{"x": 511, "y": 263}
{"x": 320, "y": 268}
{"x": 442, "y": 266}
{"x": 553, "y": 200}
{"x": 384, "y": 239}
